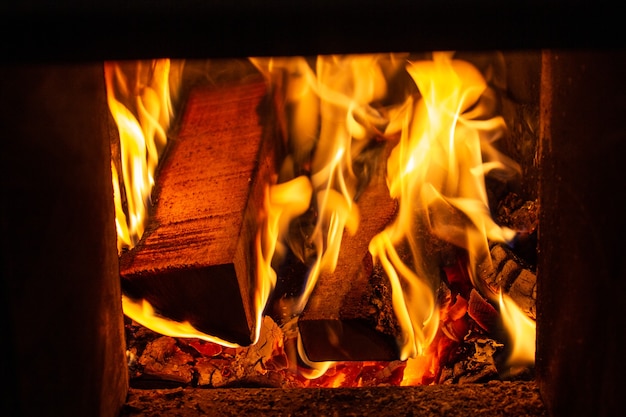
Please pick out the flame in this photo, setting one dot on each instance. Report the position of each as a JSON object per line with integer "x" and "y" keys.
{"x": 522, "y": 331}
{"x": 336, "y": 107}
{"x": 330, "y": 122}
{"x": 283, "y": 203}
{"x": 140, "y": 96}
{"x": 140, "y": 102}
{"x": 324, "y": 133}
{"x": 143, "y": 313}
{"x": 436, "y": 171}
{"x": 437, "y": 174}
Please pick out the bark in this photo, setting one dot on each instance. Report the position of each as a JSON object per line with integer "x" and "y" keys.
{"x": 196, "y": 257}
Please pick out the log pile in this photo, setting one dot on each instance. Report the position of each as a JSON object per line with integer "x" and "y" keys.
{"x": 195, "y": 263}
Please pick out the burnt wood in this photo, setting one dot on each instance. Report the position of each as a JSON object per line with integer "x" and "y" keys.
{"x": 196, "y": 257}
{"x": 505, "y": 272}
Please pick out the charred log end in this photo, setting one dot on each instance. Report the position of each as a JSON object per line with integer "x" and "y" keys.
{"x": 346, "y": 340}
{"x": 185, "y": 295}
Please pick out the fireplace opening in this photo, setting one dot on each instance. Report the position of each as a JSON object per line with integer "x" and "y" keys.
{"x": 65, "y": 349}
{"x": 323, "y": 308}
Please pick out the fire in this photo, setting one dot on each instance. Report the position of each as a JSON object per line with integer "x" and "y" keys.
{"x": 140, "y": 101}
{"x": 330, "y": 122}
{"x": 437, "y": 173}
{"x": 140, "y": 96}
{"x": 444, "y": 122}
{"x": 143, "y": 313}
{"x": 283, "y": 203}
{"x": 522, "y": 331}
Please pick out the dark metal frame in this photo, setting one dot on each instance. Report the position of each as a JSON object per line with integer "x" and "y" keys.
{"x": 67, "y": 30}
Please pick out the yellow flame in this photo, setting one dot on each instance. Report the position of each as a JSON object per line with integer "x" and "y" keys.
{"x": 143, "y": 313}
{"x": 437, "y": 174}
{"x": 283, "y": 202}
{"x": 330, "y": 121}
{"x": 139, "y": 99}
{"x": 522, "y": 331}
{"x": 436, "y": 171}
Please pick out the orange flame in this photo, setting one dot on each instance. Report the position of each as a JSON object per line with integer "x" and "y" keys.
{"x": 438, "y": 169}
{"x": 143, "y": 313}
{"x": 335, "y": 109}
{"x": 140, "y": 97}
{"x": 436, "y": 172}
{"x": 331, "y": 121}
{"x": 522, "y": 331}
{"x": 140, "y": 102}
{"x": 283, "y": 202}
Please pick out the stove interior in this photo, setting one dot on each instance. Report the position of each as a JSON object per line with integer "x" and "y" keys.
{"x": 338, "y": 322}
{"x": 66, "y": 348}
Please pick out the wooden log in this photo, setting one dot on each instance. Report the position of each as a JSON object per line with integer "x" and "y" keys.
{"x": 196, "y": 257}
{"x": 349, "y": 316}
{"x": 506, "y": 272}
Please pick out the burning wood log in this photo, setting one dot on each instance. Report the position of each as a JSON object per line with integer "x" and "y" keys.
{"x": 505, "y": 272}
{"x": 194, "y": 261}
{"x": 349, "y": 315}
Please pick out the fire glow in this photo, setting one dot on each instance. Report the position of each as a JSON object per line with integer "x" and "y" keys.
{"x": 444, "y": 124}
{"x": 141, "y": 104}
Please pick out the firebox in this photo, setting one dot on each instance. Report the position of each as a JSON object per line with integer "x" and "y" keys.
{"x": 64, "y": 349}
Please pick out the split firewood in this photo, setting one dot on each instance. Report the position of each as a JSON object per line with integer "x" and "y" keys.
{"x": 195, "y": 259}
{"x": 349, "y": 315}
{"x": 505, "y": 272}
